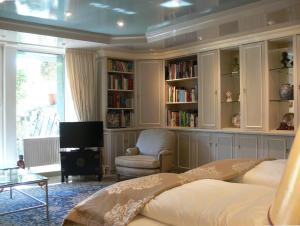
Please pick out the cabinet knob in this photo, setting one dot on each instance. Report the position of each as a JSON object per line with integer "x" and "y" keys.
{"x": 216, "y": 92}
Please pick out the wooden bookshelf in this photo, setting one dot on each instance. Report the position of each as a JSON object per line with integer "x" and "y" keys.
{"x": 120, "y": 93}
{"x": 181, "y": 91}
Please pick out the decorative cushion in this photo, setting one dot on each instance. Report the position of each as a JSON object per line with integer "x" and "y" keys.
{"x": 152, "y": 141}
{"x": 135, "y": 172}
{"x": 138, "y": 161}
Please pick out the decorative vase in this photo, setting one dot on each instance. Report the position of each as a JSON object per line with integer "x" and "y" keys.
{"x": 286, "y": 92}
{"x": 52, "y": 98}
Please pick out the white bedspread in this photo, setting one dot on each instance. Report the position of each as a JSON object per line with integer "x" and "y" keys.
{"x": 267, "y": 173}
{"x": 211, "y": 203}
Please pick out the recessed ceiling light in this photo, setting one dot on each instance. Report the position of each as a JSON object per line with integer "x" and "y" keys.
{"x": 271, "y": 22}
{"x": 1, "y": 1}
{"x": 175, "y": 4}
{"x": 200, "y": 38}
{"x": 68, "y": 13}
{"x": 120, "y": 23}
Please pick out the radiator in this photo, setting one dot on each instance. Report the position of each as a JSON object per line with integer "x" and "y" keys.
{"x": 41, "y": 151}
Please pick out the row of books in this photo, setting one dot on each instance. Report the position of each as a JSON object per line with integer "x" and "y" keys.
{"x": 120, "y": 82}
{"x": 183, "y": 69}
{"x": 179, "y": 94}
{"x": 119, "y": 100}
{"x": 122, "y": 66}
{"x": 117, "y": 119}
{"x": 182, "y": 118}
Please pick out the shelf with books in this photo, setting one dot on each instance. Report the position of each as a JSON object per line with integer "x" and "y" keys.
{"x": 120, "y": 93}
{"x": 181, "y": 80}
{"x": 119, "y": 118}
{"x": 174, "y": 103}
{"x": 182, "y": 118}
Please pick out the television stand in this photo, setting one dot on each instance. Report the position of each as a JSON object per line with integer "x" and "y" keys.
{"x": 80, "y": 162}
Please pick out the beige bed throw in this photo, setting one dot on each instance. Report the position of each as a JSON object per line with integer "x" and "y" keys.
{"x": 119, "y": 203}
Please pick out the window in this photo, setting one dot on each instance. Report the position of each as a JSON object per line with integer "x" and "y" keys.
{"x": 40, "y": 98}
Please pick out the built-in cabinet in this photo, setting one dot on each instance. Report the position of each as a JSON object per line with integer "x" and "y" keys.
{"x": 150, "y": 93}
{"x": 115, "y": 144}
{"x": 208, "y": 93}
{"x": 197, "y": 148}
{"x": 234, "y": 102}
{"x": 252, "y": 86}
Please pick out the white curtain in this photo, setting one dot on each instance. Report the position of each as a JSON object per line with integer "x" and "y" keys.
{"x": 82, "y": 74}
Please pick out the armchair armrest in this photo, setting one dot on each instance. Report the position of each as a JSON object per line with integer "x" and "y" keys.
{"x": 132, "y": 151}
{"x": 166, "y": 160}
{"x": 164, "y": 153}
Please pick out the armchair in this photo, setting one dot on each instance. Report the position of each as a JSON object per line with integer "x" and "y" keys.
{"x": 152, "y": 154}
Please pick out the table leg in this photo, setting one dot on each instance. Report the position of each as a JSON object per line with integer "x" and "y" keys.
{"x": 47, "y": 201}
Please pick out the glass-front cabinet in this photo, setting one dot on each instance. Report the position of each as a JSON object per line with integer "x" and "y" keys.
{"x": 281, "y": 84}
{"x": 230, "y": 88}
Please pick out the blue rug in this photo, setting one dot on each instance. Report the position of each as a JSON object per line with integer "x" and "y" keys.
{"x": 62, "y": 197}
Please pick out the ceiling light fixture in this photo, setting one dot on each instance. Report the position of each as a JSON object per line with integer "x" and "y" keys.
{"x": 68, "y": 13}
{"x": 120, "y": 23}
{"x": 175, "y": 4}
{"x": 99, "y": 5}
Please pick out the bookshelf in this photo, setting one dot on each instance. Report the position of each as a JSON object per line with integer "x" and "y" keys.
{"x": 120, "y": 93}
{"x": 181, "y": 78}
{"x": 230, "y": 88}
{"x": 281, "y": 84}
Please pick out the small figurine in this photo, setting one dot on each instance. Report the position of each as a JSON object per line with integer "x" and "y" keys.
{"x": 285, "y": 60}
{"x": 287, "y": 122}
{"x": 235, "y": 66}
{"x": 21, "y": 163}
{"x": 228, "y": 95}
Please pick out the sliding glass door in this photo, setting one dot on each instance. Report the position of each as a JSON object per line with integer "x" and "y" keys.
{"x": 39, "y": 95}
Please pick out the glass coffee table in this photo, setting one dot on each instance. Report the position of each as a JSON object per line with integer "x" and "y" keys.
{"x": 12, "y": 176}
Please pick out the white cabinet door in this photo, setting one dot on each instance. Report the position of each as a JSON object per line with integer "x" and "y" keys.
{"x": 252, "y": 86}
{"x": 184, "y": 150}
{"x": 117, "y": 143}
{"x": 248, "y": 146}
{"x": 224, "y": 146}
{"x": 277, "y": 147}
{"x": 205, "y": 151}
{"x": 150, "y": 93}
{"x": 208, "y": 67}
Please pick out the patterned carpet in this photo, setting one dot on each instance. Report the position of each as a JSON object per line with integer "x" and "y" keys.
{"x": 62, "y": 197}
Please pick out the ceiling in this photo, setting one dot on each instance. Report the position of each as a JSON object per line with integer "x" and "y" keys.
{"x": 135, "y": 24}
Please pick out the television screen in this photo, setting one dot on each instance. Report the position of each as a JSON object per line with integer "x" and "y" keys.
{"x": 81, "y": 134}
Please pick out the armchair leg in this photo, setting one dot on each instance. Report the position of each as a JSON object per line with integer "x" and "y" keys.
{"x": 118, "y": 177}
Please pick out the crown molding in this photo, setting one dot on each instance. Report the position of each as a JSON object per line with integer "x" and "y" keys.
{"x": 216, "y": 19}
{"x": 272, "y": 32}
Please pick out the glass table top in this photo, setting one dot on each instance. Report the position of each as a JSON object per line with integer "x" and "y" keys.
{"x": 16, "y": 176}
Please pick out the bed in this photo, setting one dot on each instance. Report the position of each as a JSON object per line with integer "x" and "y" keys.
{"x": 267, "y": 175}
{"x": 244, "y": 200}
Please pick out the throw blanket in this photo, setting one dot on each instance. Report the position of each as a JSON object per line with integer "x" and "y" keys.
{"x": 119, "y": 203}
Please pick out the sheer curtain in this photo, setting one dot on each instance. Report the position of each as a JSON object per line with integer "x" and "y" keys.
{"x": 82, "y": 75}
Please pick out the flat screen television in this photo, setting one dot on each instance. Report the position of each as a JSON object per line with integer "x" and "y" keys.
{"x": 81, "y": 135}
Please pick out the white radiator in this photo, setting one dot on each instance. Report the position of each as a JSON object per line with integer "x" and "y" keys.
{"x": 41, "y": 151}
